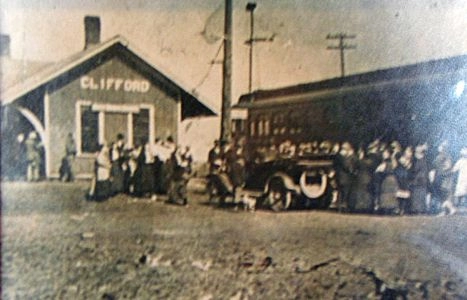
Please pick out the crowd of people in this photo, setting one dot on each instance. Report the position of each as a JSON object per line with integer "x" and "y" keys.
{"x": 423, "y": 186}
{"x": 435, "y": 183}
{"x": 147, "y": 169}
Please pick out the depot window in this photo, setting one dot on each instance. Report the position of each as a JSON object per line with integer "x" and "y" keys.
{"x": 100, "y": 123}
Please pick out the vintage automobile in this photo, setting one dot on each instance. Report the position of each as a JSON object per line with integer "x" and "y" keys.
{"x": 301, "y": 182}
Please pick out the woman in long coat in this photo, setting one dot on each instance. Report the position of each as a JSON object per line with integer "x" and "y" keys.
{"x": 117, "y": 156}
{"x": 420, "y": 181}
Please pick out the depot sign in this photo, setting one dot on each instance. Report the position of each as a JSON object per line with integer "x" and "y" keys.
{"x": 114, "y": 84}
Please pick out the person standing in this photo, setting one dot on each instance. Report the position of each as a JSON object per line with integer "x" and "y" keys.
{"x": 167, "y": 150}
{"x": 100, "y": 187}
{"x": 147, "y": 171}
{"x": 66, "y": 169}
{"x": 403, "y": 172}
{"x": 237, "y": 171}
{"x": 361, "y": 191}
{"x": 441, "y": 188}
{"x": 157, "y": 154}
{"x": 177, "y": 191}
{"x": 117, "y": 156}
{"x": 214, "y": 155}
{"x": 33, "y": 157}
{"x": 374, "y": 158}
{"x": 420, "y": 181}
{"x": 346, "y": 168}
{"x": 139, "y": 159}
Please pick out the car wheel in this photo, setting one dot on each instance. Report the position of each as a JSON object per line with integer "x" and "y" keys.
{"x": 278, "y": 196}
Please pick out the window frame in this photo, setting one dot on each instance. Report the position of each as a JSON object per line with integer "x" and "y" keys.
{"x": 102, "y": 109}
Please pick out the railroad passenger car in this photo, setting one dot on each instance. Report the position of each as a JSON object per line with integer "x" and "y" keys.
{"x": 423, "y": 102}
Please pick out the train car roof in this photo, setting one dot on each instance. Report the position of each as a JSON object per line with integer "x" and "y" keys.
{"x": 403, "y": 73}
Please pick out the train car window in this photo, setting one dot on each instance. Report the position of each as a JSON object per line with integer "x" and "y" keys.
{"x": 260, "y": 128}
{"x": 267, "y": 127}
{"x": 252, "y": 128}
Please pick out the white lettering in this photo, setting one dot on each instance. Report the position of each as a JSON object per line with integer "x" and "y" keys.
{"x": 144, "y": 86}
{"x": 128, "y": 85}
{"x": 117, "y": 84}
{"x": 110, "y": 81}
{"x": 93, "y": 85}
{"x": 84, "y": 82}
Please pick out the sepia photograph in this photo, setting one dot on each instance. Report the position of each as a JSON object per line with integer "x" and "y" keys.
{"x": 233, "y": 149}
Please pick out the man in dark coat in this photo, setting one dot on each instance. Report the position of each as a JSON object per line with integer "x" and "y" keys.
{"x": 442, "y": 185}
{"x": 346, "y": 167}
{"x": 214, "y": 155}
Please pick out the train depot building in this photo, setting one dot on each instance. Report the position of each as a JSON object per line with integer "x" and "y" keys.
{"x": 94, "y": 95}
{"x": 423, "y": 102}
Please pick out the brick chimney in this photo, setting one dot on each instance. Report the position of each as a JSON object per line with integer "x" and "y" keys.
{"x": 92, "y": 31}
{"x": 4, "y": 45}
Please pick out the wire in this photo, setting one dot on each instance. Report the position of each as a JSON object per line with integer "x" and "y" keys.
{"x": 210, "y": 68}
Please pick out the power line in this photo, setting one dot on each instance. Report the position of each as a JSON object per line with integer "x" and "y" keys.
{"x": 212, "y": 63}
{"x": 342, "y": 46}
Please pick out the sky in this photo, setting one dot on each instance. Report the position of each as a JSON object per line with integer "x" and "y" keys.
{"x": 184, "y": 36}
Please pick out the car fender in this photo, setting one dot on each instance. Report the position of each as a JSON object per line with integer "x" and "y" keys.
{"x": 286, "y": 179}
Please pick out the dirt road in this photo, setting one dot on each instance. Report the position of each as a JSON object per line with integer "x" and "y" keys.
{"x": 56, "y": 245}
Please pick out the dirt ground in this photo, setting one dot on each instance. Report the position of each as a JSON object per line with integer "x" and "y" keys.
{"x": 56, "y": 245}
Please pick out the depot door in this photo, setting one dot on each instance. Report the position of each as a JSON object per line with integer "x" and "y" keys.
{"x": 115, "y": 123}
{"x": 134, "y": 125}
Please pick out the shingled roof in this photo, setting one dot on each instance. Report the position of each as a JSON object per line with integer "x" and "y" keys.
{"x": 31, "y": 78}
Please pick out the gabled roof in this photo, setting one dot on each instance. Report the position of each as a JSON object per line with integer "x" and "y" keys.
{"x": 13, "y": 71}
{"x": 53, "y": 71}
{"x": 403, "y": 73}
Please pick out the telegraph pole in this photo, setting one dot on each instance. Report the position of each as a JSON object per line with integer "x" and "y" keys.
{"x": 341, "y": 47}
{"x": 227, "y": 74}
{"x": 250, "y": 7}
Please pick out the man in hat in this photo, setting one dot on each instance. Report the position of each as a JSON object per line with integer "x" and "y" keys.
{"x": 346, "y": 167}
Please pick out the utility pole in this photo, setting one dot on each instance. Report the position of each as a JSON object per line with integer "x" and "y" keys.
{"x": 250, "y": 7}
{"x": 226, "y": 122}
{"x": 341, "y": 47}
